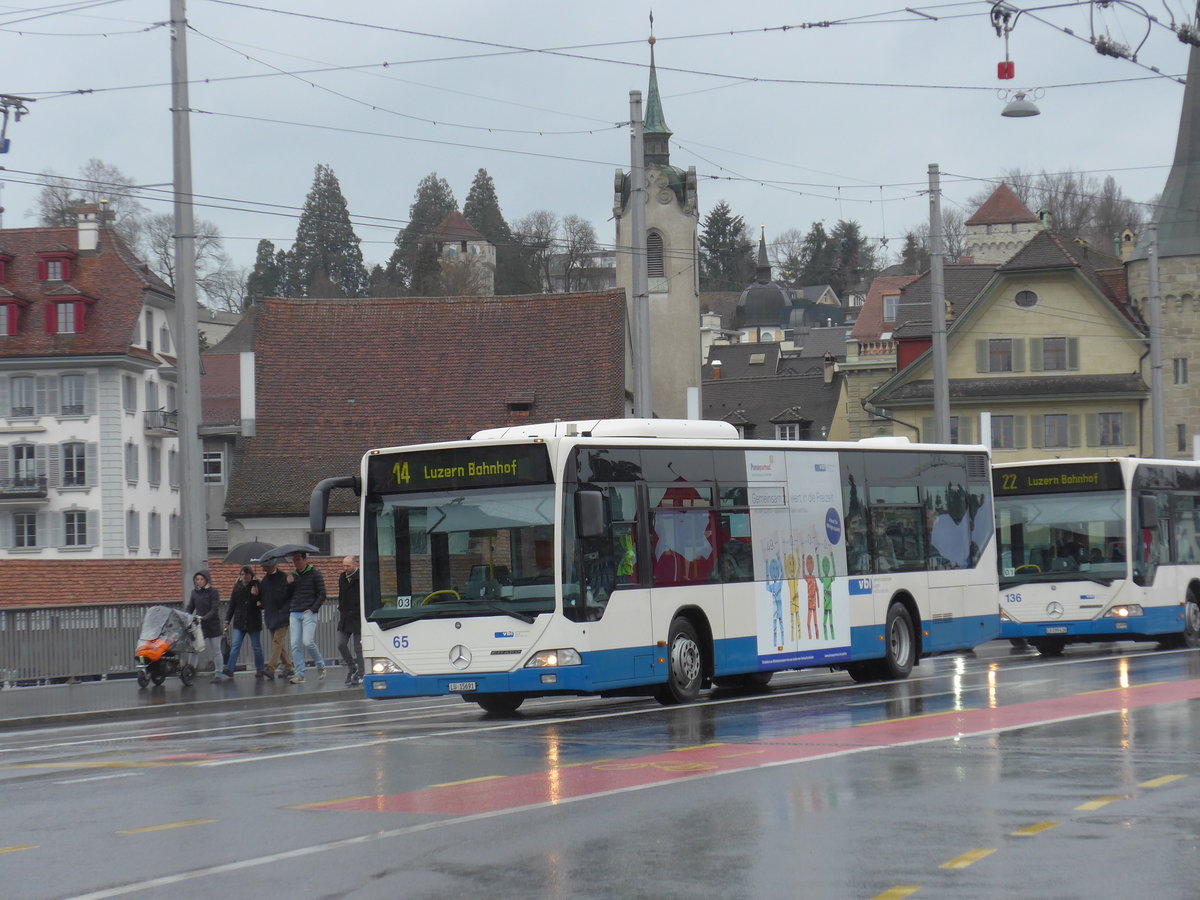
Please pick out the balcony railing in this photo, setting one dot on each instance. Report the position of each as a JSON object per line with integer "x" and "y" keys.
{"x": 160, "y": 421}
{"x": 27, "y": 488}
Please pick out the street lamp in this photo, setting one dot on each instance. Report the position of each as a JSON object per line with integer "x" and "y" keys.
{"x": 1019, "y": 107}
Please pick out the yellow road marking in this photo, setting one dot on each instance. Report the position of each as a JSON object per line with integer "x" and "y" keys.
{"x": 332, "y": 802}
{"x": 1159, "y": 782}
{"x": 949, "y": 712}
{"x": 697, "y": 747}
{"x": 1111, "y": 690}
{"x": 19, "y": 847}
{"x": 971, "y": 856}
{"x": 1095, "y": 804}
{"x": 468, "y": 781}
{"x": 590, "y": 762}
{"x": 1036, "y": 828}
{"x": 165, "y": 827}
{"x": 899, "y": 892}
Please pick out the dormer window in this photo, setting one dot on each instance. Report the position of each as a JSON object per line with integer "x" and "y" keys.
{"x": 8, "y": 319}
{"x": 54, "y": 268}
{"x": 64, "y": 317}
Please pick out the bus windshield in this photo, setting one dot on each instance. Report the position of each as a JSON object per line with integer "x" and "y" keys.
{"x": 480, "y": 552}
{"x": 1061, "y": 537}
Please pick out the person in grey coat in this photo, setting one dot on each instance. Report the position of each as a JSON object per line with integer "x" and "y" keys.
{"x": 205, "y": 602}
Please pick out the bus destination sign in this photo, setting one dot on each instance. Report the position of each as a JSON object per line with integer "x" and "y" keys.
{"x": 1056, "y": 478}
{"x": 458, "y": 468}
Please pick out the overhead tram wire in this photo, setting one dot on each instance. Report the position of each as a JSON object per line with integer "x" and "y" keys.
{"x": 61, "y": 9}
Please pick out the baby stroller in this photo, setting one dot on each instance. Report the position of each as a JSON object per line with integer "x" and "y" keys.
{"x": 168, "y": 645}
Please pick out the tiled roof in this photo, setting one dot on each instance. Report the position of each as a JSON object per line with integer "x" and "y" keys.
{"x": 1018, "y": 388}
{"x": 63, "y": 582}
{"x": 220, "y": 389}
{"x": 870, "y": 324}
{"x": 1002, "y": 208}
{"x": 335, "y": 378}
{"x": 745, "y": 360}
{"x": 112, "y": 277}
{"x": 241, "y": 337}
{"x": 814, "y": 343}
{"x": 455, "y": 227}
{"x": 757, "y": 402}
{"x": 962, "y": 285}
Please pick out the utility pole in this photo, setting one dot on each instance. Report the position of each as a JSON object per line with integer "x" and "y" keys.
{"x": 1157, "y": 425}
{"x": 937, "y": 312}
{"x": 193, "y": 535}
{"x": 643, "y": 403}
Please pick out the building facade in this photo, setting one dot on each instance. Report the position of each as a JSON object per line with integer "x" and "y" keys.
{"x": 89, "y": 462}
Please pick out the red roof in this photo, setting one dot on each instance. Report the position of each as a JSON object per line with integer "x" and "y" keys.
{"x": 220, "y": 389}
{"x": 1002, "y": 208}
{"x": 111, "y": 276}
{"x": 455, "y": 227}
{"x": 870, "y": 325}
{"x": 335, "y": 378}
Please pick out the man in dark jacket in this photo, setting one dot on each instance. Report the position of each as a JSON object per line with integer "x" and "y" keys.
{"x": 245, "y": 614}
{"x": 205, "y": 602}
{"x": 308, "y": 593}
{"x": 349, "y": 629}
{"x": 275, "y": 598}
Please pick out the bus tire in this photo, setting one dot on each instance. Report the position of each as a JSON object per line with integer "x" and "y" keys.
{"x": 1190, "y": 636}
{"x": 864, "y": 672}
{"x": 1048, "y": 646}
{"x": 685, "y": 665}
{"x": 900, "y": 644}
{"x": 499, "y": 704}
{"x": 752, "y": 681}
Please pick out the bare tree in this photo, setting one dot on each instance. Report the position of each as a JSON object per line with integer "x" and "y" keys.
{"x": 786, "y": 254}
{"x": 215, "y": 273}
{"x": 464, "y": 276}
{"x": 579, "y": 243}
{"x": 954, "y": 236}
{"x": 536, "y": 233}
{"x": 98, "y": 183}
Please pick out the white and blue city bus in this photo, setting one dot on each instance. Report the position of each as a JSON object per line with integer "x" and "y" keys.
{"x": 661, "y": 556}
{"x": 1099, "y": 550}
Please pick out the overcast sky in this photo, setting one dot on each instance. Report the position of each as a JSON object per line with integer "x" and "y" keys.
{"x": 386, "y": 92}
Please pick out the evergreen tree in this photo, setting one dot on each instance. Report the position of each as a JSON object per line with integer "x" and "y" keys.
{"x": 326, "y": 244}
{"x": 854, "y": 257}
{"x": 426, "y": 277}
{"x": 818, "y": 257}
{"x": 266, "y": 278}
{"x": 433, "y": 201}
{"x": 380, "y": 285}
{"x": 482, "y": 209}
{"x": 726, "y": 254}
{"x": 913, "y": 256}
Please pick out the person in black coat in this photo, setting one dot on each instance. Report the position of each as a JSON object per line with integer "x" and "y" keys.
{"x": 275, "y": 600}
{"x": 349, "y": 629}
{"x": 205, "y": 602}
{"x": 246, "y": 616}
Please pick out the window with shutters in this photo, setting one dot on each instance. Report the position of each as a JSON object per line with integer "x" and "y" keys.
{"x": 1110, "y": 429}
{"x": 7, "y": 323}
{"x": 64, "y": 318}
{"x": 129, "y": 393}
{"x": 1180, "y": 437}
{"x": 1055, "y": 430}
{"x": 164, "y": 339}
{"x": 132, "y": 527}
{"x": 24, "y": 465}
{"x": 75, "y": 528}
{"x": 150, "y": 331}
{"x": 1003, "y": 437}
{"x": 21, "y": 395}
{"x": 154, "y": 464}
{"x": 131, "y": 462}
{"x": 154, "y": 532}
{"x": 173, "y": 468}
{"x": 25, "y": 536}
{"x": 74, "y": 464}
{"x": 173, "y": 531}
{"x": 1054, "y": 354}
{"x": 71, "y": 395}
{"x": 54, "y": 270}
{"x": 1179, "y": 365}
{"x": 1000, "y": 355}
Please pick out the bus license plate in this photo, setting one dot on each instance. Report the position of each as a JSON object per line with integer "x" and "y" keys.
{"x": 456, "y": 687}
{"x": 1057, "y": 629}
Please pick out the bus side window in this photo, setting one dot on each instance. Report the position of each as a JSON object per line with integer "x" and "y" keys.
{"x": 736, "y": 557}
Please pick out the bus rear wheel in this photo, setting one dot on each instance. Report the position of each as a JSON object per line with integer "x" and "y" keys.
{"x": 685, "y": 665}
{"x": 1190, "y": 636}
{"x": 753, "y": 681}
{"x": 499, "y": 704}
{"x": 900, "y": 643}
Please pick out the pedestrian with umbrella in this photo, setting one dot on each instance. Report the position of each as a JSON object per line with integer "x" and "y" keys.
{"x": 246, "y": 616}
{"x": 308, "y": 593}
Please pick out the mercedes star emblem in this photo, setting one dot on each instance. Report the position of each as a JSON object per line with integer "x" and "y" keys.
{"x": 1054, "y": 609}
{"x": 460, "y": 656}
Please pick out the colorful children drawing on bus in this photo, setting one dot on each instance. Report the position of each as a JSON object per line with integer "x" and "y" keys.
{"x": 829, "y": 570}
{"x": 775, "y": 586}
{"x": 811, "y": 581}
{"x": 791, "y": 568}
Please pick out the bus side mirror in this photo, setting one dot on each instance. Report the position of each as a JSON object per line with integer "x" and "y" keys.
{"x": 1149, "y": 510}
{"x": 589, "y": 514}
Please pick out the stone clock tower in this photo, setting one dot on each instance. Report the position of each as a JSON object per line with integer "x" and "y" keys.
{"x": 672, "y": 218}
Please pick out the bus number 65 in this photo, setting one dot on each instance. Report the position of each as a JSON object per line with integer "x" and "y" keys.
{"x": 400, "y": 642}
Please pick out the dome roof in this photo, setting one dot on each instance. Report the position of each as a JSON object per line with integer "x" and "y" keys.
{"x": 764, "y": 302}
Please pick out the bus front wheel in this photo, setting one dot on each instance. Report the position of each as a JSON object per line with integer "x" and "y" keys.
{"x": 499, "y": 704}
{"x": 900, "y": 642}
{"x": 1190, "y": 636}
{"x": 685, "y": 665}
{"x": 1049, "y": 646}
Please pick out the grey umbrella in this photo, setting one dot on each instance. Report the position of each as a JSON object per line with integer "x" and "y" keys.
{"x": 248, "y": 552}
{"x": 283, "y": 551}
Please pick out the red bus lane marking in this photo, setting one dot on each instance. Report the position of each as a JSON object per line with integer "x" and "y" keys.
{"x": 575, "y": 781}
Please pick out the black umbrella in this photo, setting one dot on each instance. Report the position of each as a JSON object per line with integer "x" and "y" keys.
{"x": 248, "y": 552}
{"x": 283, "y": 551}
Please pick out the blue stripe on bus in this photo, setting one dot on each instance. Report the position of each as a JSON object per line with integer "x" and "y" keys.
{"x": 1154, "y": 621}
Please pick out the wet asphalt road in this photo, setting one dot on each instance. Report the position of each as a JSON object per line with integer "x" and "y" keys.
{"x": 997, "y": 775}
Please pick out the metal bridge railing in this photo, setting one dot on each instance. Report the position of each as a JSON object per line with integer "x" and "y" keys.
{"x": 86, "y": 642}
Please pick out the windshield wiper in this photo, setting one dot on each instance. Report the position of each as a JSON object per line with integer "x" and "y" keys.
{"x": 390, "y": 623}
{"x": 516, "y": 614}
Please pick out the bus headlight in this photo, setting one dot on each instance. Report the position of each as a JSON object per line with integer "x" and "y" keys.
{"x": 1004, "y": 617}
{"x": 1124, "y": 612}
{"x": 544, "y": 659}
{"x": 382, "y": 666}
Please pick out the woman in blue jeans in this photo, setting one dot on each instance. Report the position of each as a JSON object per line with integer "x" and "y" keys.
{"x": 246, "y": 616}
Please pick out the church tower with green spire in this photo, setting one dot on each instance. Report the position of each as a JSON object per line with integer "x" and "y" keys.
{"x": 672, "y": 224}
{"x": 1178, "y": 219}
